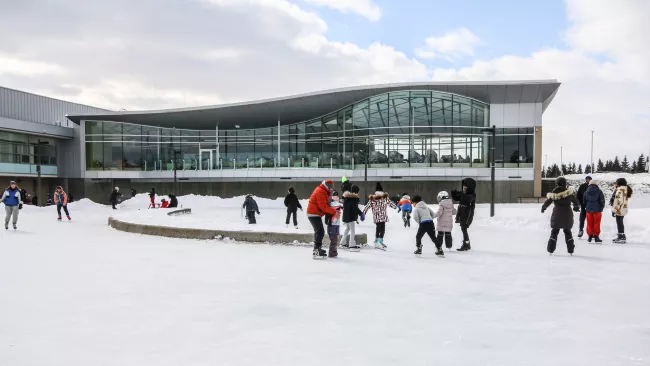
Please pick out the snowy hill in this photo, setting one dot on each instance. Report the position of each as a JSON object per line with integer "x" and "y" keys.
{"x": 640, "y": 183}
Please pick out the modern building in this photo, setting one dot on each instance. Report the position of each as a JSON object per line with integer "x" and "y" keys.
{"x": 412, "y": 137}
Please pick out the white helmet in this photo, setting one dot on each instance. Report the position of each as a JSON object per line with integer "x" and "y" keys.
{"x": 442, "y": 195}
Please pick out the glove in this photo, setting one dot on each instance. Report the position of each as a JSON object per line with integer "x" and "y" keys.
{"x": 542, "y": 210}
{"x": 613, "y": 214}
{"x": 258, "y": 213}
{"x": 20, "y": 206}
{"x": 576, "y": 209}
{"x": 399, "y": 210}
{"x": 363, "y": 217}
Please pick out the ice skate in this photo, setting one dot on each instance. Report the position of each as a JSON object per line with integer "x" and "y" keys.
{"x": 598, "y": 240}
{"x": 59, "y": 218}
{"x": 380, "y": 244}
{"x": 418, "y": 251}
{"x": 6, "y": 226}
{"x": 465, "y": 247}
{"x": 15, "y": 227}
{"x": 581, "y": 233}
{"x": 296, "y": 227}
{"x": 69, "y": 218}
{"x": 440, "y": 253}
{"x": 621, "y": 239}
{"x": 591, "y": 237}
{"x": 286, "y": 226}
{"x": 355, "y": 248}
{"x": 319, "y": 253}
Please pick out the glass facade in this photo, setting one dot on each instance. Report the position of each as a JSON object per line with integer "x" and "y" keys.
{"x": 19, "y": 151}
{"x": 397, "y": 129}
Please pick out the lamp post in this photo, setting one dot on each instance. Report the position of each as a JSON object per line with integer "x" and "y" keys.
{"x": 561, "y": 160}
{"x": 592, "y": 151}
{"x": 493, "y": 132}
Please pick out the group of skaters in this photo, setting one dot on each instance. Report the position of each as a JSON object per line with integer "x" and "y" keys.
{"x": 116, "y": 197}
{"x": 13, "y": 198}
{"x": 590, "y": 202}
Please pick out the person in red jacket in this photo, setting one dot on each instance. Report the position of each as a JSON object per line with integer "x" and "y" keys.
{"x": 164, "y": 203}
{"x": 319, "y": 205}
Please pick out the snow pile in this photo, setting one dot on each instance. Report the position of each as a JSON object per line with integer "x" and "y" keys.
{"x": 640, "y": 183}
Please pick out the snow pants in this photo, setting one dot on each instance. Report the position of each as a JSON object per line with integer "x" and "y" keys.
{"x": 593, "y": 223}
{"x": 250, "y": 215}
{"x": 350, "y": 229}
{"x": 11, "y": 210}
{"x": 464, "y": 228}
{"x": 380, "y": 230}
{"x": 295, "y": 219}
{"x": 552, "y": 242}
{"x": 620, "y": 225}
{"x": 447, "y": 237}
{"x": 583, "y": 216}
{"x": 333, "y": 233}
{"x": 319, "y": 231}
{"x": 65, "y": 208}
{"x": 406, "y": 217}
{"x": 426, "y": 228}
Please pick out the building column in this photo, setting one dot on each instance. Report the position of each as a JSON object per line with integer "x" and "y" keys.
{"x": 537, "y": 163}
{"x": 279, "y": 162}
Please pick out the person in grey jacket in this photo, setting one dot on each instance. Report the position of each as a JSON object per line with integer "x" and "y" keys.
{"x": 423, "y": 215}
{"x": 445, "y": 217}
{"x": 13, "y": 203}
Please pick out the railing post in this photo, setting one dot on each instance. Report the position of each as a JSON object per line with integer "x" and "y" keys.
{"x": 160, "y": 167}
{"x": 331, "y": 163}
{"x": 145, "y": 165}
{"x": 317, "y": 163}
{"x": 303, "y": 162}
{"x": 220, "y": 164}
{"x": 247, "y": 167}
{"x": 261, "y": 164}
{"x": 353, "y": 163}
{"x": 288, "y": 163}
{"x": 234, "y": 164}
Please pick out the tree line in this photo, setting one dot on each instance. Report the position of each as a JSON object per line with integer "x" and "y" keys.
{"x": 637, "y": 166}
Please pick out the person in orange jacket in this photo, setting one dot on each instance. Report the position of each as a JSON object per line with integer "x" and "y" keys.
{"x": 319, "y": 205}
{"x": 164, "y": 203}
{"x": 61, "y": 201}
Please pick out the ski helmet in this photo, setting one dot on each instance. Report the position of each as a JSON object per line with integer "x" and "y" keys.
{"x": 442, "y": 195}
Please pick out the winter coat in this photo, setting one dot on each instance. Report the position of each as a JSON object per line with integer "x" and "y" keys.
{"x": 581, "y": 193}
{"x": 445, "y": 215}
{"x": 619, "y": 206}
{"x": 351, "y": 210}
{"x": 61, "y": 199}
{"x": 292, "y": 203}
{"x": 379, "y": 202}
{"x": 405, "y": 204}
{"x": 562, "y": 198}
{"x": 11, "y": 197}
{"x": 319, "y": 202}
{"x": 466, "y": 202}
{"x": 250, "y": 205}
{"x": 423, "y": 213}
{"x": 164, "y": 204}
{"x": 173, "y": 201}
{"x": 114, "y": 196}
{"x": 593, "y": 199}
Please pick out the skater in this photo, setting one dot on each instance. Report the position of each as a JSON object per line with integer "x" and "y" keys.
{"x": 622, "y": 195}
{"x": 61, "y": 201}
{"x": 319, "y": 206}
{"x": 406, "y": 207}
{"x": 333, "y": 225}
{"x": 164, "y": 203}
{"x": 292, "y": 204}
{"x": 13, "y": 203}
{"x": 351, "y": 213}
{"x": 445, "y": 218}
{"x": 133, "y": 192}
{"x": 251, "y": 207}
{"x": 173, "y": 201}
{"x": 562, "y": 218}
{"x": 583, "y": 211}
{"x": 152, "y": 198}
{"x": 593, "y": 202}
{"x": 379, "y": 202}
{"x": 465, "y": 214}
{"x": 423, "y": 215}
{"x": 114, "y": 198}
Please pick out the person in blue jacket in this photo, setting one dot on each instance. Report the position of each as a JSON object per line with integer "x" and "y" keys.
{"x": 13, "y": 202}
{"x": 593, "y": 201}
{"x": 406, "y": 207}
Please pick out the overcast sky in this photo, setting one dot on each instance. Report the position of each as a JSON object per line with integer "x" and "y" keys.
{"x": 150, "y": 54}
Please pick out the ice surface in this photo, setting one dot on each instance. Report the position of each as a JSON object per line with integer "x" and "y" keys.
{"x": 81, "y": 293}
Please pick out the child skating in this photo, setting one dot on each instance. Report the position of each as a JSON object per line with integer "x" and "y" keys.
{"x": 351, "y": 213}
{"x": 445, "y": 219}
{"x": 61, "y": 202}
{"x": 333, "y": 225}
{"x": 406, "y": 207}
{"x": 466, "y": 204}
{"x": 562, "y": 198}
{"x": 423, "y": 215}
{"x": 379, "y": 203}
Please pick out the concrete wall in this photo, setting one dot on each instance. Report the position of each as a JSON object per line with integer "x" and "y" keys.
{"x": 516, "y": 115}
{"x": 98, "y": 191}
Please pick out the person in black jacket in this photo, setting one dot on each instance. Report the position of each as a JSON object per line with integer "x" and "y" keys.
{"x": 173, "y": 202}
{"x": 583, "y": 212}
{"x": 562, "y": 218}
{"x": 351, "y": 213}
{"x": 292, "y": 204}
{"x": 251, "y": 207}
{"x": 466, "y": 206}
{"x": 114, "y": 198}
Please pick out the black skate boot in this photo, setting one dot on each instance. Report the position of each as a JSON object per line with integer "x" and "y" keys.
{"x": 15, "y": 227}
{"x": 550, "y": 248}
{"x": 418, "y": 251}
{"x": 465, "y": 247}
{"x": 591, "y": 237}
{"x": 598, "y": 240}
{"x": 320, "y": 253}
{"x": 581, "y": 233}
{"x": 620, "y": 239}
{"x": 570, "y": 246}
{"x": 6, "y": 226}
{"x": 355, "y": 248}
{"x": 440, "y": 253}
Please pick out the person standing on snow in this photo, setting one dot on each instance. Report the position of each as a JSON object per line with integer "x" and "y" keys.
{"x": 114, "y": 198}
{"x": 351, "y": 213}
{"x": 423, "y": 215}
{"x": 250, "y": 205}
{"x": 406, "y": 207}
{"x": 466, "y": 204}
{"x": 152, "y": 198}
{"x": 379, "y": 203}
{"x": 583, "y": 211}
{"x": 593, "y": 201}
{"x": 562, "y": 218}
{"x": 13, "y": 203}
{"x": 61, "y": 201}
{"x": 622, "y": 195}
{"x": 292, "y": 204}
{"x": 319, "y": 206}
{"x": 445, "y": 218}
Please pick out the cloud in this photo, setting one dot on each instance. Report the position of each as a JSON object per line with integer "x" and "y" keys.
{"x": 17, "y": 66}
{"x": 365, "y": 8}
{"x": 452, "y": 45}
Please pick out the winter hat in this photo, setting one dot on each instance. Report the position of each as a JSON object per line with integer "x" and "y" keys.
{"x": 329, "y": 184}
{"x": 335, "y": 193}
{"x": 378, "y": 187}
{"x": 291, "y": 190}
{"x": 560, "y": 182}
{"x": 12, "y": 182}
{"x": 354, "y": 189}
{"x": 416, "y": 199}
{"x": 442, "y": 195}
{"x": 344, "y": 179}
{"x": 593, "y": 182}
{"x": 621, "y": 182}
{"x": 588, "y": 177}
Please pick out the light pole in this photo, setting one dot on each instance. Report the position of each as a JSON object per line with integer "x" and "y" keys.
{"x": 562, "y": 160}
{"x": 592, "y": 151}
{"x": 493, "y": 132}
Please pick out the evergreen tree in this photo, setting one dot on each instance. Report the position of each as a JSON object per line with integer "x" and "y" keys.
{"x": 543, "y": 173}
{"x": 609, "y": 166}
{"x": 640, "y": 164}
{"x": 634, "y": 169}
{"x": 549, "y": 172}
{"x": 625, "y": 165}
{"x": 588, "y": 169}
{"x": 600, "y": 167}
{"x": 556, "y": 171}
{"x": 647, "y": 163}
{"x": 616, "y": 165}
{"x": 574, "y": 168}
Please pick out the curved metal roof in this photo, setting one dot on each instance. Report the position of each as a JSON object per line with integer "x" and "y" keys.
{"x": 303, "y": 107}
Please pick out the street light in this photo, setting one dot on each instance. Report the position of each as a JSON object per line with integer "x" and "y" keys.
{"x": 493, "y": 131}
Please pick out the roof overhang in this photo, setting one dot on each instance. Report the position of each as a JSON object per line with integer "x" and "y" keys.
{"x": 303, "y": 107}
{"x": 38, "y": 129}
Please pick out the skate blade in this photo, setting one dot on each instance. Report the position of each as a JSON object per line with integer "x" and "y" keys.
{"x": 355, "y": 250}
{"x": 319, "y": 258}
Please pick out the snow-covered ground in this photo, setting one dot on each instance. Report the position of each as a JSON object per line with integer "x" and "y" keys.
{"x": 81, "y": 293}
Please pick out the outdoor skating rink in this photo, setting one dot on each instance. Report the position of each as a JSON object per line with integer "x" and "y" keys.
{"x": 81, "y": 293}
